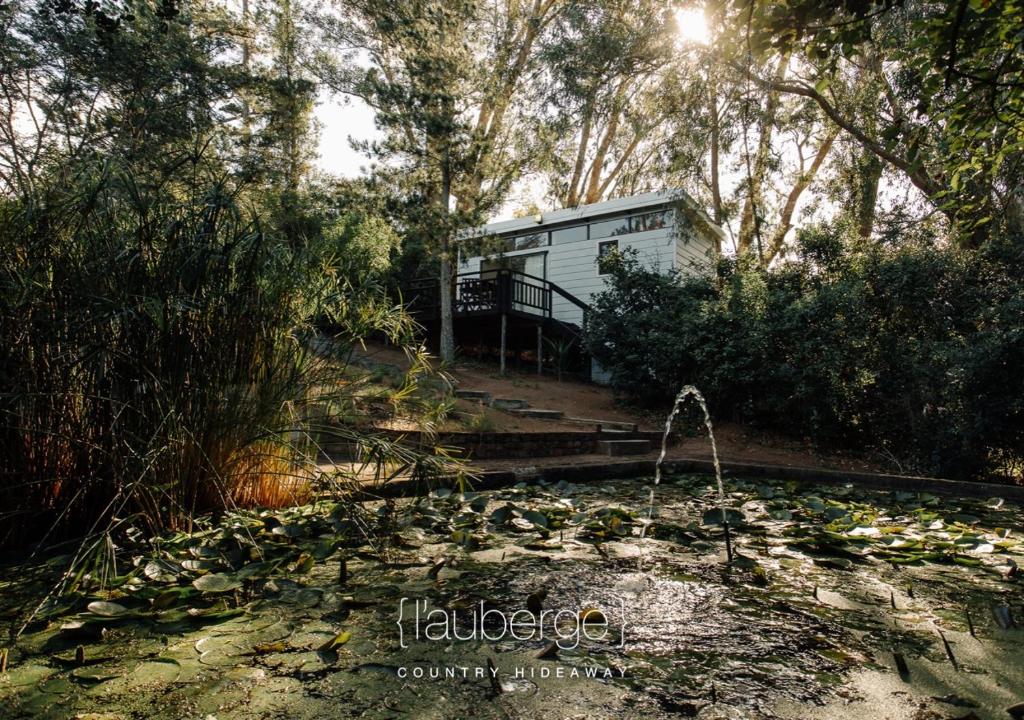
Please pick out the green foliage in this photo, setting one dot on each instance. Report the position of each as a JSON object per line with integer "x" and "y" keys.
{"x": 908, "y": 351}
{"x": 954, "y": 82}
{"x": 159, "y": 354}
{"x": 368, "y": 243}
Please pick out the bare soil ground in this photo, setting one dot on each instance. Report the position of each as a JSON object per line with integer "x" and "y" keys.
{"x": 585, "y": 400}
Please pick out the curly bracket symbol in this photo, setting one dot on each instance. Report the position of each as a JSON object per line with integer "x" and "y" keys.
{"x": 401, "y": 637}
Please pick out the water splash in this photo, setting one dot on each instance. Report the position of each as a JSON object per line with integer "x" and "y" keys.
{"x": 688, "y": 391}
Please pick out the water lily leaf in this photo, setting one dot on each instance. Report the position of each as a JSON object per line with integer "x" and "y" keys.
{"x": 815, "y": 504}
{"x": 268, "y": 648}
{"x": 212, "y": 615}
{"x": 257, "y": 569}
{"x": 466, "y": 519}
{"x": 216, "y": 583}
{"x": 335, "y": 642}
{"x": 501, "y": 515}
{"x": 158, "y": 671}
{"x": 93, "y": 675}
{"x": 161, "y": 571}
{"x": 27, "y": 675}
{"x": 216, "y": 651}
{"x": 478, "y": 505}
{"x": 965, "y": 518}
{"x": 168, "y": 598}
{"x": 107, "y": 609}
{"x": 713, "y": 516}
{"x": 325, "y": 549}
{"x": 199, "y": 565}
{"x": 536, "y": 518}
{"x": 303, "y": 564}
{"x": 968, "y": 561}
{"x": 592, "y": 615}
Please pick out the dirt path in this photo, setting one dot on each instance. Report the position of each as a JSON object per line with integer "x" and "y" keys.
{"x": 584, "y": 400}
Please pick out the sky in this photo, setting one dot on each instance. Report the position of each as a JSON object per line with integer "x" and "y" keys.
{"x": 341, "y": 119}
{"x": 344, "y": 119}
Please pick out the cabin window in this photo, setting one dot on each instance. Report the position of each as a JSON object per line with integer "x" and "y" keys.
{"x": 649, "y": 221}
{"x": 609, "y": 228}
{"x": 569, "y": 234}
{"x": 531, "y": 240}
{"x": 606, "y": 250}
{"x": 530, "y": 264}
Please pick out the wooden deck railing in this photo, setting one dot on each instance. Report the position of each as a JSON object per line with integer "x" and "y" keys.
{"x": 493, "y": 291}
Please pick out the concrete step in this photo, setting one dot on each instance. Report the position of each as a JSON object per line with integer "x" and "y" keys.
{"x": 605, "y": 425}
{"x": 538, "y": 413}
{"x": 624, "y": 447}
{"x": 478, "y": 395}
{"x": 509, "y": 404}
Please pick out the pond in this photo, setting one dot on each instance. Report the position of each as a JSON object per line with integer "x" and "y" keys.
{"x": 542, "y": 601}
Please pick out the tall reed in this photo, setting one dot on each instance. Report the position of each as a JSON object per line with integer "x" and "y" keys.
{"x": 156, "y": 356}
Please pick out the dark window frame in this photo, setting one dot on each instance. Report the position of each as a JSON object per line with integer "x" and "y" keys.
{"x": 601, "y": 244}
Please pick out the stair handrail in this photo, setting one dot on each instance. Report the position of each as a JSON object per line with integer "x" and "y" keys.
{"x": 555, "y": 288}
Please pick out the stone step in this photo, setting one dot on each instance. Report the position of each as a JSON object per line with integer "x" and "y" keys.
{"x": 509, "y": 404}
{"x": 624, "y": 447}
{"x": 538, "y": 413}
{"x": 478, "y": 395}
{"x": 605, "y": 425}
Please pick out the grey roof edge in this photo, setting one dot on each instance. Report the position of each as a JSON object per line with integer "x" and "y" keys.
{"x": 693, "y": 211}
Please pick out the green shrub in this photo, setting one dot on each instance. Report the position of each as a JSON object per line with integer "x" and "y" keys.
{"x": 913, "y": 352}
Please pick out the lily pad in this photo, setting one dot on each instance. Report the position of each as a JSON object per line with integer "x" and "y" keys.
{"x": 107, "y": 609}
{"x": 216, "y": 583}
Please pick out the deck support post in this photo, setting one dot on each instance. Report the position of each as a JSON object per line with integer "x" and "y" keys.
{"x": 540, "y": 350}
{"x": 504, "y": 335}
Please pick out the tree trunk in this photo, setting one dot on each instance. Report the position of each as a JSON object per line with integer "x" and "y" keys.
{"x": 749, "y": 222}
{"x": 593, "y": 194}
{"x": 572, "y": 196}
{"x": 716, "y": 189}
{"x": 870, "y": 171}
{"x": 801, "y": 184}
{"x": 447, "y": 348}
{"x": 246, "y": 57}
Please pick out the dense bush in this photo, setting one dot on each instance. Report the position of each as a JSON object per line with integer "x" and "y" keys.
{"x": 913, "y": 352}
{"x": 157, "y": 354}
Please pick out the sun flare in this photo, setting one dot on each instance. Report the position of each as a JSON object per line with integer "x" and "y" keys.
{"x": 692, "y": 25}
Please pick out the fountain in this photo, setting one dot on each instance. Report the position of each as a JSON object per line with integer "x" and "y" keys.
{"x": 685, "y": 392}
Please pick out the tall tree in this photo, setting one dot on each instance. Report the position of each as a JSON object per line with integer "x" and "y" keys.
{"x": 421, "y": 70}
{"x": 608, "y": 62}
{"x": 953, "y": 75}
{"x": 757, "y": 168}
{"x": 80, "y": 80}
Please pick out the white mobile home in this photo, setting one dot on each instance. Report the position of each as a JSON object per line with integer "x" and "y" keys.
{"x": 523, "y": 287}
{"x": 667, "y": 229}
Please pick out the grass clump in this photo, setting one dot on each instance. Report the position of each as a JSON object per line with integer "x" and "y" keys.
{"x": 161, "y": 357}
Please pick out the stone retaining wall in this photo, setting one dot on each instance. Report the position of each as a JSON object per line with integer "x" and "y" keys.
{"x": 490, "y": 446}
